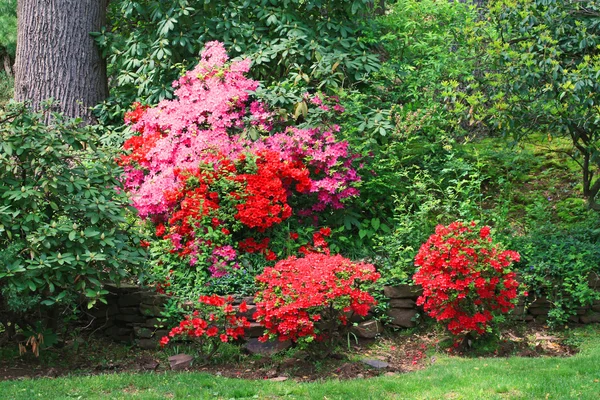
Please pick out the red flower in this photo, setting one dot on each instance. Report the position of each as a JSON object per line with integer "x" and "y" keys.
{"x": 294, "y": 236}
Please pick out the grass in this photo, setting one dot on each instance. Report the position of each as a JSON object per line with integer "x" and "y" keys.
{"x": 577, "y": 377}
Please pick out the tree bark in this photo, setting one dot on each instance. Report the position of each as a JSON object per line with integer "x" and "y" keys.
{"x": 56, "y": 56}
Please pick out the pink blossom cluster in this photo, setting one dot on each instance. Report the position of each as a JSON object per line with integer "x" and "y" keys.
{"x": 206, "y": 120}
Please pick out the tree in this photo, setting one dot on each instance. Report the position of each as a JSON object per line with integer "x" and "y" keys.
{"x": 56, "y": 56}
{"x": 542, "y": 70}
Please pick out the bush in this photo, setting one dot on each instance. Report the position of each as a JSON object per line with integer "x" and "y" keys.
{"x": 217, "y": 176}
{"x": 214, "y": 322}
{"x": 308, "y": 299}
{"x": 558, "y": 264}
{"x": 465, "y": 278}
{"x": 63, "y": 221}
{"x": 310, "y": 43}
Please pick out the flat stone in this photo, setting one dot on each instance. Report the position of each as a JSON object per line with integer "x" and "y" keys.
{"x": 596, "y": 306}
{"x": 540, "y": 302}
{"x": 367, "y": 329}
{"x": 151, "y": 310}
{"x": 130, "y": 300}
{"x": 374, "y": 363}
{"x": 402, "y": 291}
{"x": 180, "y": 362}
{"x": 254, "y": 346}
{"x": 148, "y": 344}
{"x": 594, "y": 280}
{"x": 143, "y": 333}
{"x": 539, "y": 311}
{"x": 248, "y": 314}
{"x": 279, "y": 379}
{"x": 131, "y": 318}
{"x": 154, "y": 323}
{"x": 121, "y": 288}
{"x": 255, "y": 330}
{"x": 129, "y": 310}
{"x": 582, "y": 310}
{"x": 574, "y": 319}
{"x": 154, "y": 298}
{"x": 590, "y": 318}
{"x": 402, "y": 303}
{"x": 402, "y": 317}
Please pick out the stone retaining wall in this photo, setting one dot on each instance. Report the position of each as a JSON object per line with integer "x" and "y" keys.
{"x": 132, "y": 314}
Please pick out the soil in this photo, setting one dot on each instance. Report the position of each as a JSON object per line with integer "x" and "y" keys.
{"x": 392, "y": 353}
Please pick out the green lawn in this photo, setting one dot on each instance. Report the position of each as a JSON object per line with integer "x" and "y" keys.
{"x": 577, "y": 377}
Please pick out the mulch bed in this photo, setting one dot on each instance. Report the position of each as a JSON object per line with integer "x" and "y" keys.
{"x": 390, "y": 354}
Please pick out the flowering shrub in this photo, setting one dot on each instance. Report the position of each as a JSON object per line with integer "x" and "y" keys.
{"x": 306, "y": 299}
{"x": 216, "y": 322}
{"x": 465, "y": 277}
{"x": 216, "y": 178}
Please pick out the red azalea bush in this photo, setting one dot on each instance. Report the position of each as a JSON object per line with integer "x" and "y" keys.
{"x": 466, "y": 278}
{"x": 306, "y": 299}
{"x": 214, "y": 323}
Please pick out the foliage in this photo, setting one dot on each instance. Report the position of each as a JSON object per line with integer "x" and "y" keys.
{"x": 202, "y": 173}
{"x": 310, "y": 42}
{"x": 8, "y": 28}
{"x": 559, "y": 264}
{"x": 465, "y": 277}
{"x": 308, "y": 299}
{"x": 213, "y": 323}
{"x": 63, "y": 226}
{"x": 541, "y": 62}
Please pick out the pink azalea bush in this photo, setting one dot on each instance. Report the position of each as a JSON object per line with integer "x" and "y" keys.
{"x": 194, "y": 171}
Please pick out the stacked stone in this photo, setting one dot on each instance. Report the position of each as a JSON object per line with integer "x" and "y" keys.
{"x": 403, "y": 308}
{"x": 131, "y": 315}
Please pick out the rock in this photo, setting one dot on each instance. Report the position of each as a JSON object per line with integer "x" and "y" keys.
{"x": 540, "y": 302}
{"x": 374, "y": 363}
{"x": 590, "y": 318}
{"x": 402, "y": 303}
{"x": 248, "y": 314}
{"x": 402, "y": 291}
{"x": 596, "y": 306}
{"x": 131, "y": 318}
{"x": 180, "y": 362}
{"x": 105, "y": 311}
{"x": 390, "y": 374}
{"x": 153, "y": 298}
{"x": 254, "y": 346}
{"x": 150, "y": 365}
{"x": 367, "y": 329}
{"x": 402, "y": 317}
{"x": 539, "y": 311}
{"x": 279, "y": 379}
{"x": 151, "y": 310}
{"x": 122, "y": 288}
{"x": 130, "y": 300}
{"x": 255, "y": 330}
{"x": 574, "y": 319}
{"x": 582, "y": 310}
{"x": 143, "y": 333}
{"x": 129, "y": 310}
{"x": 594, "y": 280}
{"x": 148, "y": 344}
{"x": 154, "y": 323}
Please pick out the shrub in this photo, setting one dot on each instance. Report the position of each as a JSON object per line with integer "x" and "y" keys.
{"x": 304, "y": 42}
{"x": 558, "y": 263}
{"x": 217, "y": 179}
{"x": 307, "y": 299}
{"x": 465, "y": 277}
{"x": 63, "y": 221}
{"x": 215, "y": 322}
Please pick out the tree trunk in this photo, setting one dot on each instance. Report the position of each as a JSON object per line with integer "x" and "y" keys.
{"x": 56, "y": 56}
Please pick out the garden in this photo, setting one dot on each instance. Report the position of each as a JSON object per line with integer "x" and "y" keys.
{"x": 305, "y": 199}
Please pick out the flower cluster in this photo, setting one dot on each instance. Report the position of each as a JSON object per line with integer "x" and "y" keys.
{"x": 214, "y": 189}
{"x": 214, "y": 323}
{"x": 465, "y": 277}
{"x": 311, "y": 297}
